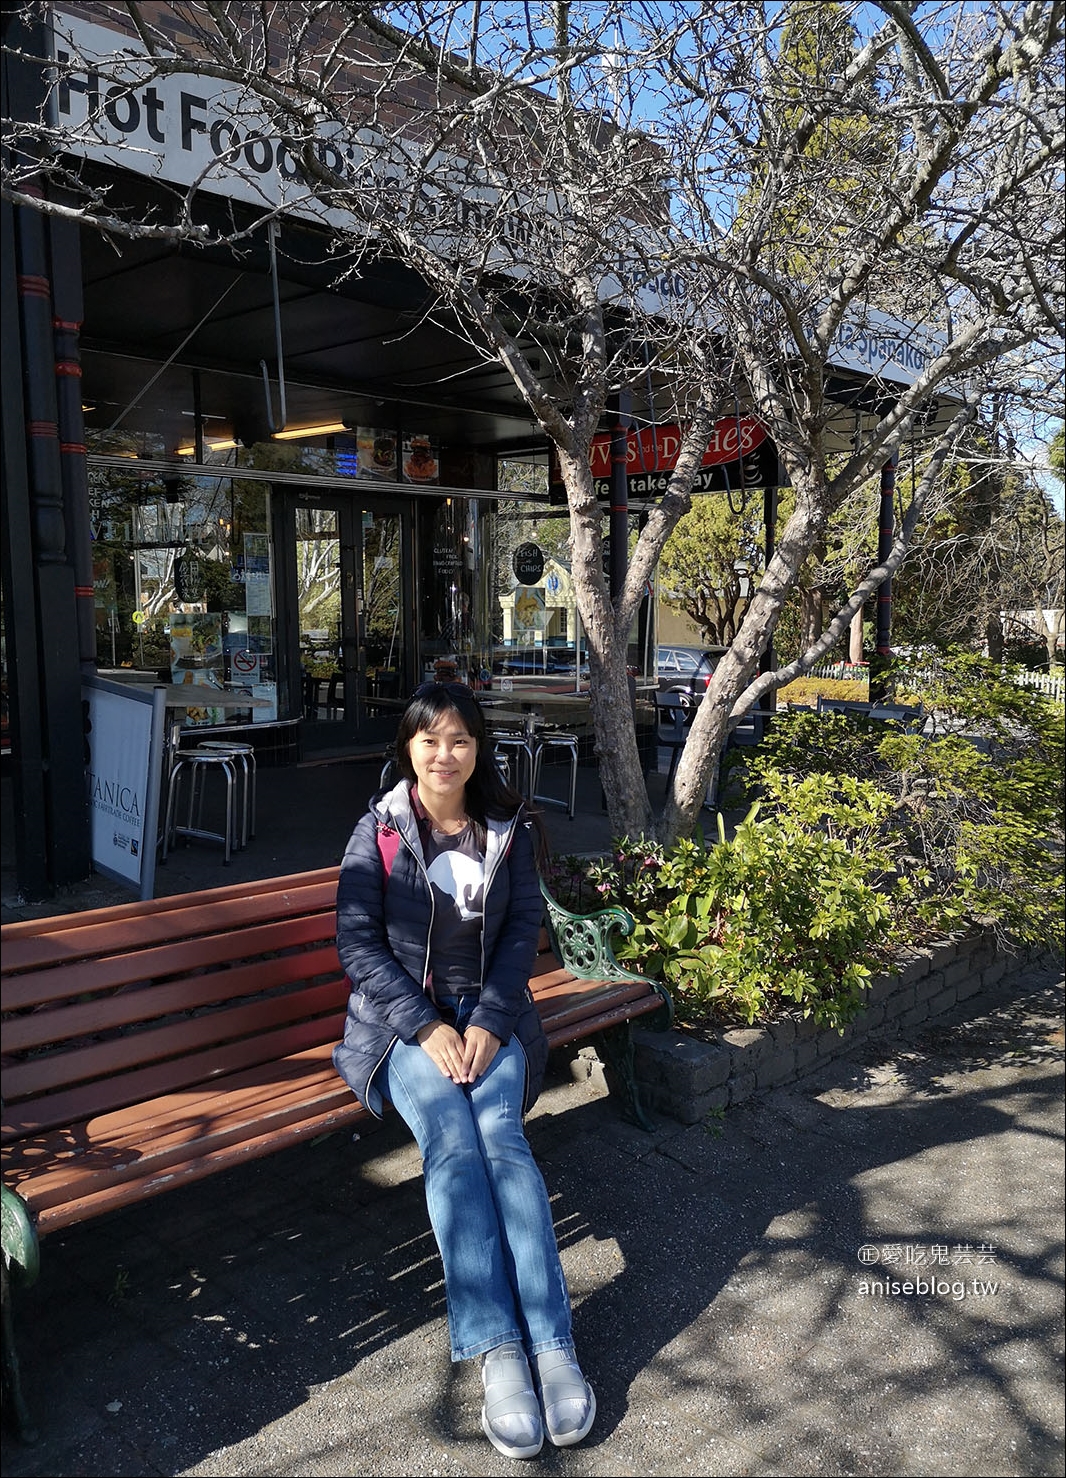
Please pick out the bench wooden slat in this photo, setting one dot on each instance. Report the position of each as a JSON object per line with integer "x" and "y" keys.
{"x": 561, "y": 1032}
{"x": 84, "y": 1102}
{"x": 131, "y": 1143}
{"x": 182, "y": 1038}
{"x": 573, "y": 993}
{"x": 551, "y": 977}
{"x": 130, "y": 1004}
{"x": 134, "y": 931}
{"x": 183, "y": 957}
{"x": 58, "y": 924}
{"x": 113, "y": 1195}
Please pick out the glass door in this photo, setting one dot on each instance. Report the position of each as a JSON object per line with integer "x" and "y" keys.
{"x": 385, "y": 606}
{"x": 352, "y": 594}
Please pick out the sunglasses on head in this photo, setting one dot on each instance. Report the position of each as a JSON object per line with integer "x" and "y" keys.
{"x": 455, "y": 690}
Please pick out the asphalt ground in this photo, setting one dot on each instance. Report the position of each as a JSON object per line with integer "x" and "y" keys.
{"x": 862, "y": 1274}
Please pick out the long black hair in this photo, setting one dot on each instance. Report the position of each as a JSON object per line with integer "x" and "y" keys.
{"x": 488, "y": 794}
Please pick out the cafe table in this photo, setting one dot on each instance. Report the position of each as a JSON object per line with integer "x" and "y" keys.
{"x": 179, "y": 699}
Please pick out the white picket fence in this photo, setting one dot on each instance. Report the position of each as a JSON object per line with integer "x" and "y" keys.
{"x": 858, "y": 671}
{"x": 1050, "y": 683}
{"x": 1053, "y": 684}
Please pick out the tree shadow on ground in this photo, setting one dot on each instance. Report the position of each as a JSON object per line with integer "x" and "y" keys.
{"x": 714, "y": 1271}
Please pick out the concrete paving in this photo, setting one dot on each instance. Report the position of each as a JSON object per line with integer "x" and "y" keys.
{"x": 858, "y": 1275}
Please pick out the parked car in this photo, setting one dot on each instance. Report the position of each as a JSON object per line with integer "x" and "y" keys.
{"x": 535, "y": 662}
{"x": 686, "y": 671}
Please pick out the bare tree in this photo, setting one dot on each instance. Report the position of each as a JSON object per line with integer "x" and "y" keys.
{"x": 1033, "y": 553}
{"x": 667, "y": 202}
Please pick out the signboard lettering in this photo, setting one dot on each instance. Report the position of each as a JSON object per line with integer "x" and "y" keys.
{"x": 528, "y": 564}
{"x": 739, "y": 455}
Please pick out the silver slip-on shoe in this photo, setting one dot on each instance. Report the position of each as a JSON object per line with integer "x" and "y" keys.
{"x": 510, "y": 1417}
{"x": 567, "y": 1399}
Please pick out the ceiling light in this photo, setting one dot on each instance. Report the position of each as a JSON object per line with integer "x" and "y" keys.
{"x": 334, "y": 428}
{"x": 209, "y": 446}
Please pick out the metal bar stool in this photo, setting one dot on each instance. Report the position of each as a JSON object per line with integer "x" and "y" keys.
{"x": 197, "y": 764}
{"x": 244, "y": 754}
{"x": 556, "y": 739}
{"x": 522, "y": 745}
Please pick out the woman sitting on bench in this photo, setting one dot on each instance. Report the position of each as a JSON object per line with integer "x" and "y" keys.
{"x": 438, "y": 918}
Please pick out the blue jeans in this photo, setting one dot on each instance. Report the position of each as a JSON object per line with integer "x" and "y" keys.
{"x": 488, "y": 1205}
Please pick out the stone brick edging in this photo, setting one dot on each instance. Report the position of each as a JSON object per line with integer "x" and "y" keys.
{"x": 689, "y": 1079}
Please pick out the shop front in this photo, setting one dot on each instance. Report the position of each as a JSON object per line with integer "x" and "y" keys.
{"x": 322, "y": 596}
{"x": 232, "y": 468}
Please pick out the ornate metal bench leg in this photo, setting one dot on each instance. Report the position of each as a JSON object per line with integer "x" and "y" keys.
{"x": 615, "y": 1046}
{"x": 19, "y": 1251}
{"x": 14, "y": 1404}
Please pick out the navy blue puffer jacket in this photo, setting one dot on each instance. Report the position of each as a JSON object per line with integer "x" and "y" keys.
{"x": 383, "y": 928}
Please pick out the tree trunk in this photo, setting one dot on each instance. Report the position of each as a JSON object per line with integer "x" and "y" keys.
{"x": 855, "y": 638}
{"x": 810, "y": 618}
{"x": 611, "y": 704}
{"x": 738, "y": 667}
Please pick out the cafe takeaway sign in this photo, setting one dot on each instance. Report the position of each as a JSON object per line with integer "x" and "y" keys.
{"x": 739, "y": 454}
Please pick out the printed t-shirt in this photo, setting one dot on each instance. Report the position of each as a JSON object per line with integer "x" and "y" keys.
{"x": 456, "y": 868}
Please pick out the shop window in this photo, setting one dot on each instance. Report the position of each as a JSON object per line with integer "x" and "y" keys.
{"x": 537, "y": 631}
{"x": 182, "y": 576}
{"x": 455, "y": 633}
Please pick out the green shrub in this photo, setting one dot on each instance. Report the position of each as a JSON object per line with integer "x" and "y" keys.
{"x": 972, "y": 817}
{"x": 778, "y": 916}
{"x": 861, "y": 838}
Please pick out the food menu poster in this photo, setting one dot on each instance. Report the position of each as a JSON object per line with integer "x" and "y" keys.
{"x": 197, "y": 660}
{"x": 375, "y": 450}
{"x": 420, "y": 463}
{"x": 382, "y": 456}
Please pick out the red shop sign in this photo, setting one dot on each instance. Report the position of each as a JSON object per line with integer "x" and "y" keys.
{"x": 657, "y": 448}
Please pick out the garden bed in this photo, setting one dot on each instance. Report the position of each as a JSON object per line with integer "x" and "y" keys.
{"x": 692, "y": 1076}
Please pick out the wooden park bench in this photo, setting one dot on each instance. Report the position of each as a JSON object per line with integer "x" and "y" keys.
{"x": 909, "y": 717}
{"x": 152, "y": 1044}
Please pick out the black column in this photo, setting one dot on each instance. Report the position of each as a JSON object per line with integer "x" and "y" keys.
{"x": 619, "y": 515}
{"x": 30, "y": 807}
{"x": 66, "y": 835}
{"x": 41, "y": 608}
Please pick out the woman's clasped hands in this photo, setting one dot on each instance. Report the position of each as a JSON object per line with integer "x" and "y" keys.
{"x": 463, "y": 1058}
